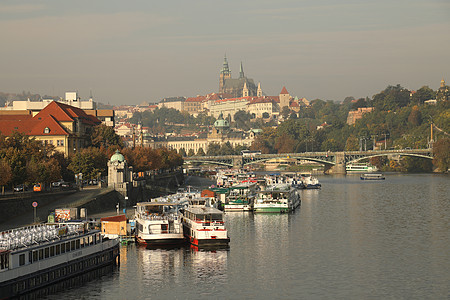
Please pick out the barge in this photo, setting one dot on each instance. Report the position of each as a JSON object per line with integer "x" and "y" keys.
{"x": 34, "y": 257}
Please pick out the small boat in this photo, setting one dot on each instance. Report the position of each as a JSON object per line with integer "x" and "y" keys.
{"x": 372, "y": 176}
{"x": 240, "y": 197}
{"x": 310, "y": 182}
{"x": 158, "y": 223}
{"x": 360, "y": 168}
{"x": 279, "y": 198}
{"x": 34, "y": 257}
{"x": 205, "y": 227}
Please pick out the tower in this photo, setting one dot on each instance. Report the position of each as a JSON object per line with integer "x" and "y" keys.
{"x": 241, "y": 71}
{"x": 245, "y": 90}
{"x": 225, "y": 73}
{"x": 284, "y": 98}
{"x": 259, "y": 91}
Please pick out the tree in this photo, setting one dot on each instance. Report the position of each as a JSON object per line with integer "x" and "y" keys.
{"x": 415, "y": 117}
{"x": 285, "y": 144}
{"x": 89, "y": 161}
{"x": 105, "y": 136}
{"x": 191, "y": 152}
{"x": 266, "y": 115}
{"x": 285, "y": 111}
{"x": 5, "y": 174}
{"x": 441, "y": 151}
{"x": 200, "y": 152}
{"x": 182, "y": 152}
{"x": 352, "y": 143}
{"x": 213, "y": 149}
{"x": 423, "y": 94}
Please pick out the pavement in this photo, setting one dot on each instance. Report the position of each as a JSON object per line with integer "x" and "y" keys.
{"x": 42, "y": 211}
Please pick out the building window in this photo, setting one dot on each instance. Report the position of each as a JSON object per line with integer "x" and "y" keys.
{"x": 60, "y": 143}
{"x": 46, "y": 130}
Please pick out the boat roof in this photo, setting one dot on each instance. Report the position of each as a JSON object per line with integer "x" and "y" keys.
{"x": 203, "y": 210}
{"x": 156, "y": 203}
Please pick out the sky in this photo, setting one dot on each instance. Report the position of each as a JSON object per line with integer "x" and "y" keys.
{"x": 129, "y": 52}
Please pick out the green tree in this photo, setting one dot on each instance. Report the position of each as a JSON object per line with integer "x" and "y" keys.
{"x": 89, "y": 161}
{"x": 105, "y": 136}
{"x": 191, "y": 152}
{"x": 200, "y": 152}
{"x": 423, "y": 94}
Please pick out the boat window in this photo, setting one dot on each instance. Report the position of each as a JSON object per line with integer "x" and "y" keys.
{"x": 21, "y": 259}
{"x": 47, "y": 252}
{"x": 67, "y": 246}
{"x": 30, "y": 257}
{"x": 58, "y": 249}
{"x": 52, "y": 251}
{"x": 63, "y": 248}
{"x": 4, "y": 261}
{"x": 78, "y": 243}
{"x": 35, "y": 255}
{"x": 72, "y": 245}
{"x": 82, "y": 242}
{"x": 41, "y": 254}
{"x": 91, "y": 240}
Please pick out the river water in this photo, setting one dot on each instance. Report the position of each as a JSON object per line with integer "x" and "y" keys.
{"x": 352, "y": 239}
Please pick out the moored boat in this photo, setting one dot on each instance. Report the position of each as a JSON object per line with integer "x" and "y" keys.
{"x": 360, "y": 168}
{"x": 34, "y": 257}
{"x": 278, "y": 198}
{"x": 310, "y": 182}
{"x": 372, "y": 176}
{"x": 205, "y": 227}
{"x": 240, "y": 197}
{"x": 158, "y": 223}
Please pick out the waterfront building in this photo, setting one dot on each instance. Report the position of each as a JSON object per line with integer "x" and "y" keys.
{"x": 172, "y": 102}
{"x": 221, "y": 133}
{"x": 106, "y": 116}
{"x": 66, "y": 127}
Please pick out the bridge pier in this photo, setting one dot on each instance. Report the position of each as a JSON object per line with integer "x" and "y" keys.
{"x": 339, "y": 167}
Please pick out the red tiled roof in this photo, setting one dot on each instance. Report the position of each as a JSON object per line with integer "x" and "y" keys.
{"x": 50, "y": 123}
{"x": 284, "y": 91}
{"x": 294, "y": 104}
{"x": 119, "y": 218}
{"x": 66, "y": 113}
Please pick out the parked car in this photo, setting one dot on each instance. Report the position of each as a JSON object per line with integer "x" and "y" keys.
{"x": 57, "y": 183}
{"x": 20, "y": 188}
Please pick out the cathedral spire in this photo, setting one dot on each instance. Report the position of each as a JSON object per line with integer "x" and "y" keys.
{"x": 241, "y": 71}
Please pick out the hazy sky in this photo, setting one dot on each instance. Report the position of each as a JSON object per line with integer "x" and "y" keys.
{"x": 128, "y": 52}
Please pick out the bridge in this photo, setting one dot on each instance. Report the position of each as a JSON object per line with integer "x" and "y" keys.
{"x": 334, "y": 162}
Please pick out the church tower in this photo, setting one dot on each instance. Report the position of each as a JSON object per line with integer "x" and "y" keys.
{"x": 245, "y": 90}
{"x": 225, "y": 73}
{"x": 259, "y": 91}
{"x": 284, "y": 98}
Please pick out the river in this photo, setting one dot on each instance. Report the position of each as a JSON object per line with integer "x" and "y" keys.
{"x": 352, "y": 239}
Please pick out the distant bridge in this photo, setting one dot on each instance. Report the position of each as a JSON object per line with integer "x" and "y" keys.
{"x": 334, "y": 162}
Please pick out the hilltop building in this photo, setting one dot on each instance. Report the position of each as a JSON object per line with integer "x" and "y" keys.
{"x": 443, "y": 93}
{"x": 236, "y": 87}
{"x": 357, "y": 114}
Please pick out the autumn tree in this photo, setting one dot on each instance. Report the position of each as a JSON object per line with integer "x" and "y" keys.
{"x": 5, "y": 174}
{"x": 441, "y": 151}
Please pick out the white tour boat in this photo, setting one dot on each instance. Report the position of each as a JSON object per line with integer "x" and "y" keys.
{"x": 360, "y": 168}
{"x": 34, "y": 257}
{"x": 204, "y": 226}
{"x": 277, "y": 198}
{"x": 158, "y": 223}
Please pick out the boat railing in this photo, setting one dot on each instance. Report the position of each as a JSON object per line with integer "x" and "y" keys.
{"x": 36, "y": 234}
{"x": 164, "y": 231}
{"x": 153, "y": 217}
